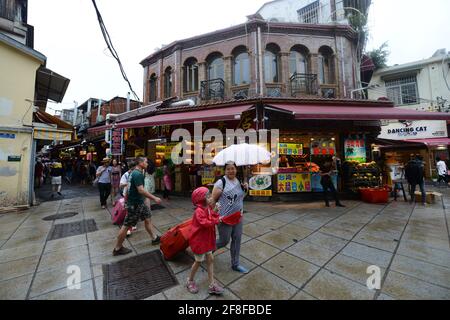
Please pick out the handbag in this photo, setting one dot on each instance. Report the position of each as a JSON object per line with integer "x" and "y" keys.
{"x": 95, "y": 182}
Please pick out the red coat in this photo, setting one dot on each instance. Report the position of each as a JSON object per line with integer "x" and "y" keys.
{"x": 203, "y": 231}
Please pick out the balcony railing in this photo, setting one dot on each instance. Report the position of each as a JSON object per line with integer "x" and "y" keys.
{"x": 304, "y": 84}
{"x": 212, "y": 89}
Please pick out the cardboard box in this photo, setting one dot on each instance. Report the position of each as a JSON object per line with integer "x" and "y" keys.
{"x": 431, "y": 197}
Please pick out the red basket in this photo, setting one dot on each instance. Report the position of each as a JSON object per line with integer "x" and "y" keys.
{"x": 375, "y": 195}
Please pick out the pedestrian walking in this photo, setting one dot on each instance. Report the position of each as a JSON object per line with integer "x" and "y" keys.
{"x": 38, "y": 173}
{"x": 56, "y": 172}
{"x": 203, "y": 239}
{"x": 104, "y": 181}
{"x": 167, "y": 179}
{"x": 137, "y": 210}
{"x": 149, "y": 181}
{"x": 414, "y": 173}
{"x": 328, "y": 170}
{"x": 116, "y": 173}
{"x": 69, "y": 172}
{"x": 228, "y": 194}
{"x": 83, "y": 173}
{"x": 442, "y": 171}
{"x": 92, "y": 171}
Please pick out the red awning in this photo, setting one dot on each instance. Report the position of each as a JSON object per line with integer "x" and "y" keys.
{"x": 210, "y": 115}
{"x": 100, "y": 128}
{"x": 315, "y": 112}
{"x": 435, "y": 142}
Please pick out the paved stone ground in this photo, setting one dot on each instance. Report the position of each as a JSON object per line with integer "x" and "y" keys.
{"x": 294, "y": 250}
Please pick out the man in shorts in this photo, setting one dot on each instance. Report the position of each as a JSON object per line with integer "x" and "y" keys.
{"x": 56, "y": 172}
{"x": 137, "y": 210}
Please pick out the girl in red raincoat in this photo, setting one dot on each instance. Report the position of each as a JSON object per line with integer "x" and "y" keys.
{"x": 203, "y": 239}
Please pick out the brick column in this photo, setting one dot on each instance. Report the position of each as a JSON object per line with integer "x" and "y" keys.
{"x": 284, "y": 70}
{"x": 228, "y": 72}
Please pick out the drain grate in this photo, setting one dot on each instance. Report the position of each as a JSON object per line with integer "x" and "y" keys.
{"x": 60, "y": 216}
{"x": 157, "y": 207}
{"x": 66, "y": 230}
{"x": 138, "y": 277}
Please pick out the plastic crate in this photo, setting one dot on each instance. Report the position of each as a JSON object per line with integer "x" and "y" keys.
{"x": 375, "y": 195}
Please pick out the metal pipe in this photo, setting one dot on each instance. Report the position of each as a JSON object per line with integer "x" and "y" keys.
{"x": 128, "y": 102}
{"x": 188, "y": 102}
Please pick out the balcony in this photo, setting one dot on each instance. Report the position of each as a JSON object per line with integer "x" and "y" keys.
{"x": 212, "y": 89}
{"x": 304, "y": 84}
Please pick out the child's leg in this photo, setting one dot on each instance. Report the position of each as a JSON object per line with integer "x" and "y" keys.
{"x": 210, "y": 267}
{"x": 194, "y": 270}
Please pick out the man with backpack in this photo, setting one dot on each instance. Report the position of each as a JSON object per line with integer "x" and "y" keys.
{"x": 414, "y": 173}
{"x": 137, "y": 210}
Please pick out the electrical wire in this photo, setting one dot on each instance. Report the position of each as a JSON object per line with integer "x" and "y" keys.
{"x": 111, "y": 48}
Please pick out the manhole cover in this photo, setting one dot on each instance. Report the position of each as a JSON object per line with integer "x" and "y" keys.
{"x": 66, "y": 230}
{"x": 157, "y": 207}
{"x": 59, "y": 216}
{"x": 138, "y": 277}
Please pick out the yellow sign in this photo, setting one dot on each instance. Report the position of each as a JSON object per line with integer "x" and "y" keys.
{"x": 139, "y": 153}
{"x": 290, "y": 149}
{"x": 260, "y": 193}
{"x": 171, "y": 146}
{"x": 208, "y": 176}
{"x": 294, "y": 182}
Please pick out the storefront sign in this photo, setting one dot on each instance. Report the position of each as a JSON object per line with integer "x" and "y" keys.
{"x": 14, "y": 158}
{"x": 260, "y": 186}
{"x": 290, "y": 149}
{"x": 325, "y": 147}
{"x": 291, "y": 183}
{"x": 208, "y": 176}
{"x": 117, "y": 142}
{"x": 355, "y": 150}
{"x": 414, "y": 130}
{"x": 139, "y": 153}
{"x": 4, "y": 135}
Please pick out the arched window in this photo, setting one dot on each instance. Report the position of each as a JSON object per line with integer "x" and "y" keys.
{"x": 271, "y": 65}
{"x": 153, "y": 88}
{"x": 241, "y": 66}
{"x": 168, "y": 83}
{"x": 326, "y": 66}
{"x": 298, "y": 61}
{"x": 216, "y": 68}
{"x": 190, "y": 76}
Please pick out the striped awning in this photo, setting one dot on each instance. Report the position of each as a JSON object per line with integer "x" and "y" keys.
{"x": 58, "y": 135}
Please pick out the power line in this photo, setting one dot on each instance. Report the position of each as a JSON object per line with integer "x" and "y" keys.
{"x": 111, "y": 48}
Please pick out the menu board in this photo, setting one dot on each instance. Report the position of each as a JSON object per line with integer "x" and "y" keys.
{"x": 355, "y": 150}
{"x": 260, "y": 186}
{"x": 290, "y": 149}
{"x": 293, "y": 183}
{"x": 208, "y": 176}
{"x": 324, "y": 147}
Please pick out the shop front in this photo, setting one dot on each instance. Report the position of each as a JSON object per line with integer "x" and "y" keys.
{"x": 311, "y": 134}
{"x": 401, "y": 139}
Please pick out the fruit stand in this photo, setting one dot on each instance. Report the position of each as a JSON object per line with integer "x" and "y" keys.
{"x": 361, "y": 175}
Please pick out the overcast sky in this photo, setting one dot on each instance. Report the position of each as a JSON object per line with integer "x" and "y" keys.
{"x": 67, "y": 32}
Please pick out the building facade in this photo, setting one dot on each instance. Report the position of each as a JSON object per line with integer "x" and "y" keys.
{"x": 256, "y": 59}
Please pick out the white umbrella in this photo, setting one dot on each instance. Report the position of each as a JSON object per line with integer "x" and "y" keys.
{"x": 243, "y": 155}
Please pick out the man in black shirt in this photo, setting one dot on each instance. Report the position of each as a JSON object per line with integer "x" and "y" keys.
{"x": 414, "y": 173}
{"x": 327, "y": 171}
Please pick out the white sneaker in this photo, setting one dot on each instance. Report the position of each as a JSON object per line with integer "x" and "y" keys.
{"x": 128, "y": 233}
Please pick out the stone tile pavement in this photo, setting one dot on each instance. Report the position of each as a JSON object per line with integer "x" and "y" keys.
{"x": 298, "y": 251}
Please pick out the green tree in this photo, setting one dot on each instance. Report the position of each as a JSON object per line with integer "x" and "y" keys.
{"x": 380, "y": 56}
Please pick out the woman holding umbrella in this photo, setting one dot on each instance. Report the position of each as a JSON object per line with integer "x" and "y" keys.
{"x": 228, "y": 194}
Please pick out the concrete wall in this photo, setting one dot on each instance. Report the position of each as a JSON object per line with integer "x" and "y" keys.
{"x": 286, "y": 11}
{"x": 17, "y": 83}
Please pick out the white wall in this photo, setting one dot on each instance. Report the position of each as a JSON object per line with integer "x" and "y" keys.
{"x": 286, "y": 10}
{"x": 430, "y": 84}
